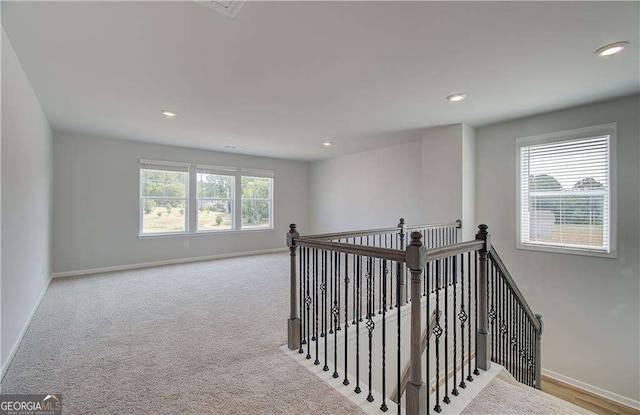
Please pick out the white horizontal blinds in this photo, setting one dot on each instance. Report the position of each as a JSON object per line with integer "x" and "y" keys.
{"x": 215, "y": 197}
{"x": 565, "y": 192}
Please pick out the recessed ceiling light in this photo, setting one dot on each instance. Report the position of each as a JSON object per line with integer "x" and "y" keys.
{"x": 456, "y": 97}
{"x": 169, "y": 113}
{"x": 327, "y": 143}
{"x": 611, "y": 49}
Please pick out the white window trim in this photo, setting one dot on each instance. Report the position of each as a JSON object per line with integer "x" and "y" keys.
{"x": 578, "y": 133}
{"x": 263, "y": 174}
{"x": 220, "y": 171}
{"x": 192, "y": 200}
{"x": 187, "y": 220}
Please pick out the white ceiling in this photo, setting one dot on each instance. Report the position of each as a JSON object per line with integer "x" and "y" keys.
{"x": 281, "y": 77}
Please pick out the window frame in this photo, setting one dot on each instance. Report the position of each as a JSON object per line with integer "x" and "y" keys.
{"x": 191, "y": 199}
{"x": 218, "y": 171}
{"x": 187, "y": 198}
{"x": 264, "y": 174}
{"x": 610, "y": 130}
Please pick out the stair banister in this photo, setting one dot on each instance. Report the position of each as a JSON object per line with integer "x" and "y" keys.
{"x": 416, "y": 388}
{"x": 483, "y": 347}
{"x": 293, "y": 326}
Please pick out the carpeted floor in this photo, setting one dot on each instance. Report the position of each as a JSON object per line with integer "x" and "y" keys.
{"x": 199, "y": 338}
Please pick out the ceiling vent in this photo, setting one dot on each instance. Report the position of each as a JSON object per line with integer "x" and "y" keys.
{"x": 226, "y": 7}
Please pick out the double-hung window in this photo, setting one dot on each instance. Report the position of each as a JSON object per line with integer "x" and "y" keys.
{"x": 215, "y": 189}
{"x": 164, "y": 197}
{"x": 566, "y": 191}
{"x": 184, "y": 198}
{"x": 257, "y": 199}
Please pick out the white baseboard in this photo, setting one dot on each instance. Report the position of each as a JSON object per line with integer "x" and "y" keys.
{"x": 161, "y": 263}
{"x": 16, "y": 345}
{"x": 612, "y": 396}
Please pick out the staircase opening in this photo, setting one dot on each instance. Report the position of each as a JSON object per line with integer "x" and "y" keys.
{"x": 409, "y": 317}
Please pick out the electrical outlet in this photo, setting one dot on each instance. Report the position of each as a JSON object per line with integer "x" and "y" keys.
{"x": 186, "y": 244}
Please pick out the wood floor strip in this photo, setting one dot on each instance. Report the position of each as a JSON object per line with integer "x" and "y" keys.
{"x": 584, "y": 399}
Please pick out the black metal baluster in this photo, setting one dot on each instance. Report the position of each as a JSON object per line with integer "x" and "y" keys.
{"x": 437, "y": 331}
{"x": 370, "y": 324}
{"x": 334, "y": 311}
{"x": 355, "y": 306}
{"x": 380, "y": 278}
{"x": 469, "y": 289}
{"x": 360, "y": 314}
{"x": 325, "y": 310}
{"x": 428, "y": 270}
{"x": 346, "y": 319}
{"x": 339, "y": 291}
{"x": 399, "y": 339}
{"x": 301, "y": 273}
{"x": 521, "y": 342}
{"x": 475, "y": 279}
{"x": 503, "y": 325}
{"x": 385, "y": 270}
{"x": 492, "y": 311}
{"x": 307, "y": 301}
{"x": 462, "y": 316}
{"x": 331, "y": 292}
{"x": 315, "y": 307}
{"x": 446, "y": 398}
{"x": 454, "y": 392}
{"x": 357, "y": 320}
{"x": 386, "y": 245}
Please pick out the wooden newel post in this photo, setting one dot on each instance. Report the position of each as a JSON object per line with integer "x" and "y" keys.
{"x": 416, "y": 389}
{"x": 538, "y": 362}
{"x": 293, "y": 324}
{"x": 403, "y": 272}
{"x": 483, "y": 356}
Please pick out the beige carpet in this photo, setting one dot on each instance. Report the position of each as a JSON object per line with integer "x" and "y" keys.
{"x": 501, "y": 398}
{"x": 200, "y": 338}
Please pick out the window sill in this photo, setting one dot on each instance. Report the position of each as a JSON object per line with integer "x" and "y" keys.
{"x": 227, "y": 231}
{"x": 203, "y": 233}
{"x": 568, "y": 251}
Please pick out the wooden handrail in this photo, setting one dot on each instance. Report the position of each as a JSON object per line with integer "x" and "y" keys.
{"x": 395, "y": 229}
{"x": 362, "y": 250}
{"x": 456, "y": 224}
{"x": 455, "y": 249}
{"x": 495, "y": 258}
{"x": 395, "y": 396}
{"x": 353, "y": 234}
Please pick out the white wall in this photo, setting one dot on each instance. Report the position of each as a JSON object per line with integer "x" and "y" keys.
{"x": 448, "y": 176}
{"x": 26, "y": 201}
{"x": 470, "y": 224}
{"x": 424, "y": 182}
{"x": 96, "y": 202}
{"x": 590, "y": 305}
{"x": 372, "y": 189}
{"x": 442, "y": 172}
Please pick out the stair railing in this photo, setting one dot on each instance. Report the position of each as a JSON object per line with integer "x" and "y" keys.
{"x": 479, "y": 315}
{"x": 516, "y": 332}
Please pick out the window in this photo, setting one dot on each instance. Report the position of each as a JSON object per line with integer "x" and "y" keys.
{"x": 215, "y": 190}
{"x": 164, "y": 202}
{"x": 257, "y": 199}
{"x": 566, "y": 191}
{"x": 176, "y": 199}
